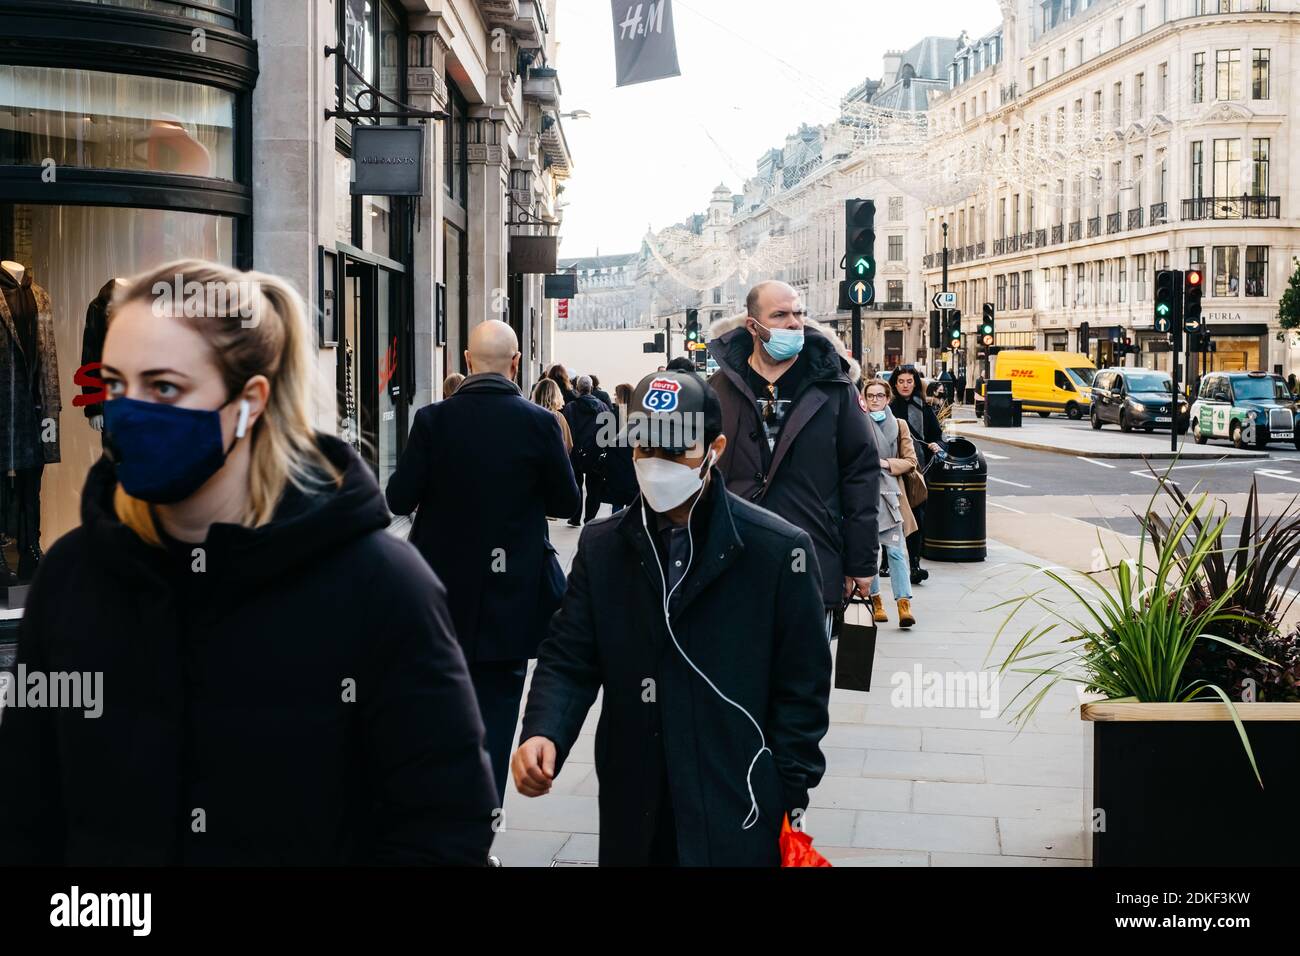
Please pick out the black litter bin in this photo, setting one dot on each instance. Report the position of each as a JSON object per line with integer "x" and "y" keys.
{"x": 955, "y": 524}
{"x": 1001, "y": 410}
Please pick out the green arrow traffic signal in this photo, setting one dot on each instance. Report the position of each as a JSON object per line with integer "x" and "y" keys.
{"x": 862, "y": 266}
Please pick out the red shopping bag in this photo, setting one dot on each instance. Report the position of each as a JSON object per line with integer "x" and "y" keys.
{"x": 797, "y": 848}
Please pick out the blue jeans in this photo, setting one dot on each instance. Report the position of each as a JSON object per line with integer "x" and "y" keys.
{"x": 900, "y": 578}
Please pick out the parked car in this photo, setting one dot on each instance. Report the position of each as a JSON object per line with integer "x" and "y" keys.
{"x": 1136, "y": 398}
{"x": 1045, "y": 382}
{"x": 1249, "y": 408}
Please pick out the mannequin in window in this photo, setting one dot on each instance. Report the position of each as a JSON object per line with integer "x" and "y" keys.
{"x": 92, "y": 346}
{"x": 29, "y": 425}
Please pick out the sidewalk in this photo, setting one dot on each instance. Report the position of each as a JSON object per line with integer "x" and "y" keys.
{"x": 905, "y": 785}
{"x": 1064, "y": 437}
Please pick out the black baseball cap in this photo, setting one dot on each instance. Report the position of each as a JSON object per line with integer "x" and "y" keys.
{"x": 673, "y": 412}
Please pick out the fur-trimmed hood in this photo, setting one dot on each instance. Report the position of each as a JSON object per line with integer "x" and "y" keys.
{"x": 723, "y": 326}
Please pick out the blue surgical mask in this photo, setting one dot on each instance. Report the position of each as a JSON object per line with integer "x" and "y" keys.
{"x": 785, "y": 344}
{"x": 878, "y": 417}
{"x": 165, "y": 453}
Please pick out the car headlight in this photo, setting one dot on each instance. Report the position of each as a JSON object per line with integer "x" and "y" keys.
{"x": 1137, "y": 406}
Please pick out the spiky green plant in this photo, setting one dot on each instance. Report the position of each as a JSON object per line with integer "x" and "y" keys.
{"x": 1137, "y": 630}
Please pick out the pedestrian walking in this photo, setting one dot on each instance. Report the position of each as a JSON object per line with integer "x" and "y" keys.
{"x": 485, "y": 469}
{"x": 895, "y": 515}
{"x": 799, "y": 442}
{"x": 225, "y": 532}
{"x": 600, "y": 393}
{"x": 547, "y": 394}
{"x": 587, "y": 416}
{"x": 560, "y": 376}
{"x": 451, "y": 383}
{"x": 693, "y": 615}
{"x": 908, "y": 406}
{"x": 620, "y": 486}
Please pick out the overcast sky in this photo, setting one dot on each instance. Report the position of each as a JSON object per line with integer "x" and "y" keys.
{"x": 752, "y": 71}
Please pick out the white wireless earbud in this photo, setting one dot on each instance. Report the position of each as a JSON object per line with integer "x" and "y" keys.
{"x": 245, "y": 409}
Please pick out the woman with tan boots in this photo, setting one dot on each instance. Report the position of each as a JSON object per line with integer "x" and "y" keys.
{"x": 895, "y": 521}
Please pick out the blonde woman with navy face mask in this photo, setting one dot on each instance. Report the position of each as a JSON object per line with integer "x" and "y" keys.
{"x": 280, "y": 680}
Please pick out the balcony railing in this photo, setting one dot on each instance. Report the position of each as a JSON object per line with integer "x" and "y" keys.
{"x": 928, "y": 261}
{"x": 1076, "y": 230}
{"x": 892, "y": 306}
{"x": 1058, "y": 234}
{"x": 1094, "y": 227}
{"x": 1135, "y": 218}
{"x": 999, "y": 246}
{"x": 1013, "y": 243}
{"x": 1040, "y": 238}
{"x": 1026, "y": 241}
{"x": 1159, "y": 212}
{"x": 1112, "y": 223}
{"x": 979, "y": 250}
{"x": 970, "y": 251}
{"x": 1233, "y": 207}
{"x": 959, "y": 254}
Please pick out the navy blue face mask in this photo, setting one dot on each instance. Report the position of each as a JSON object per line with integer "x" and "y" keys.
{"x": 165, "y": 453}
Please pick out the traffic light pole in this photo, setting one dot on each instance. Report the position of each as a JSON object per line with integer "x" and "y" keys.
{"x": 857, "y": 334}
{"x": 945, "y": 284}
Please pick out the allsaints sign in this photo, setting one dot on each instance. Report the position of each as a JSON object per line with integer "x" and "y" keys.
{"x": 645, "y": 46}
{"x": 387, "y": 160}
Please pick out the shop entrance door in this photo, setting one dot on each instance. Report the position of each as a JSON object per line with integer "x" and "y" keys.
{"x": 372, "y": 352}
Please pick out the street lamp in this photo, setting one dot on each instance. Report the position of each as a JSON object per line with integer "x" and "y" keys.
{"x": 576, "y": 115}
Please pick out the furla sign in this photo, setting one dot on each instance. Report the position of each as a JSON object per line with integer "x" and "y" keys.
{"x": 387, "y": 160}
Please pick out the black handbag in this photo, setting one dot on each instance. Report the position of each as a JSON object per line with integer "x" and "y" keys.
{"x": 856, "y": 651}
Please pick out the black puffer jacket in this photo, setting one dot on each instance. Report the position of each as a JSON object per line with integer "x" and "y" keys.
{"x": 300, "y": 701}
{"x": 824, "y": 474}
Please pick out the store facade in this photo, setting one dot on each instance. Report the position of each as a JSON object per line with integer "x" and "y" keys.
{"x": 125, "y": 141}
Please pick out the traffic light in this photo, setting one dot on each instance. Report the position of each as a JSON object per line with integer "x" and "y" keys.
{"x": 936, "y": 328}
{"x": 692, "y": 327}
{"x": 1201, "y": 342}
{"x": 1193, "y": 292}
{"x": 860, "y": 242}
{"x": 988, "y": 327}
{"x": 1169, "y": 288}
{"x": 954, "y": 331}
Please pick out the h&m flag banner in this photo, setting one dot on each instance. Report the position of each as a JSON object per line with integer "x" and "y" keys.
{"x": 645, "y": 46}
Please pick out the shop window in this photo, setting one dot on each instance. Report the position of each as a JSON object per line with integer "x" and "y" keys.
{"x": 1257, "y": 271}
{"x": 223, "y": 13}
{"x": 72, "y": 255}
{"x": 92, "y": 120}
{"x": 1227, "y": 271}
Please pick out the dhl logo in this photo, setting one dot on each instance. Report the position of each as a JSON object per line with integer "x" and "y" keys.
{"x": 1022, "y": 373}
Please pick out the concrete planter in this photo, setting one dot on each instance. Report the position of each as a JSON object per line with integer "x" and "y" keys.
{"x": 1173, "y": 786}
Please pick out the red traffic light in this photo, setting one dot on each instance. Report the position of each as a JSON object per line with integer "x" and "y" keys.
{"x": 1194, "y": 277}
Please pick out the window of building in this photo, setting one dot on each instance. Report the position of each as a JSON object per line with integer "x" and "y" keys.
{"x": 1001, "y": 282}
{"x": 1031, "y": 78}
{"x": 1162, "y": 87}
{"x": 717, "y": 295}
{"x": 1080, "y": 284}
{"x": 1119, "y": 30}
{"x": 1198, "y": 169}
{"x": 1257, "y": 271}
{"x": 895, "y": 290}
{"x": 1259, "y": 172}
{"x": 895, "y": 248}
{"x": 1227, "y": 167}
{"x": 1195, "y": 258}
{"x": 1139, "y": 96}
{"x": 1123, "y": 280}
{"x": 1141, "y": 278}
{"x": 1227, "y": 270}
{"x": 1259, "y": 75}
{"x": 1029, "y": 289}
{"x": 895, "y": 208}
{"x": 1080, "y": 56}
{"x": 1227, "y": 75}
{"x": 1198, "y": 78}
{"x": 1141, "y": 20}
{"x": 1139, "y": 173}
{"x": 1015, "y": 214}
{"x": 1117, "y": 104}
{"x": 1014, "y": 303}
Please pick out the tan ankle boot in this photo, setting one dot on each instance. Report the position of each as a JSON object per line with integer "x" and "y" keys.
{"x": 905, "y": 619}
{"x": 878, "y": 610}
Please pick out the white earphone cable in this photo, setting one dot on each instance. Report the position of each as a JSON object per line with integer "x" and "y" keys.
{"x": 753, "y": 816}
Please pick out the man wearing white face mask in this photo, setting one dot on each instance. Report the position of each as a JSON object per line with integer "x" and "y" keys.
{"x": 700, "y": 617}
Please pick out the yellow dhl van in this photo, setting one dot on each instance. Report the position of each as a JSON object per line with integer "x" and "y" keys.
{"x": 1048, "y": 382}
